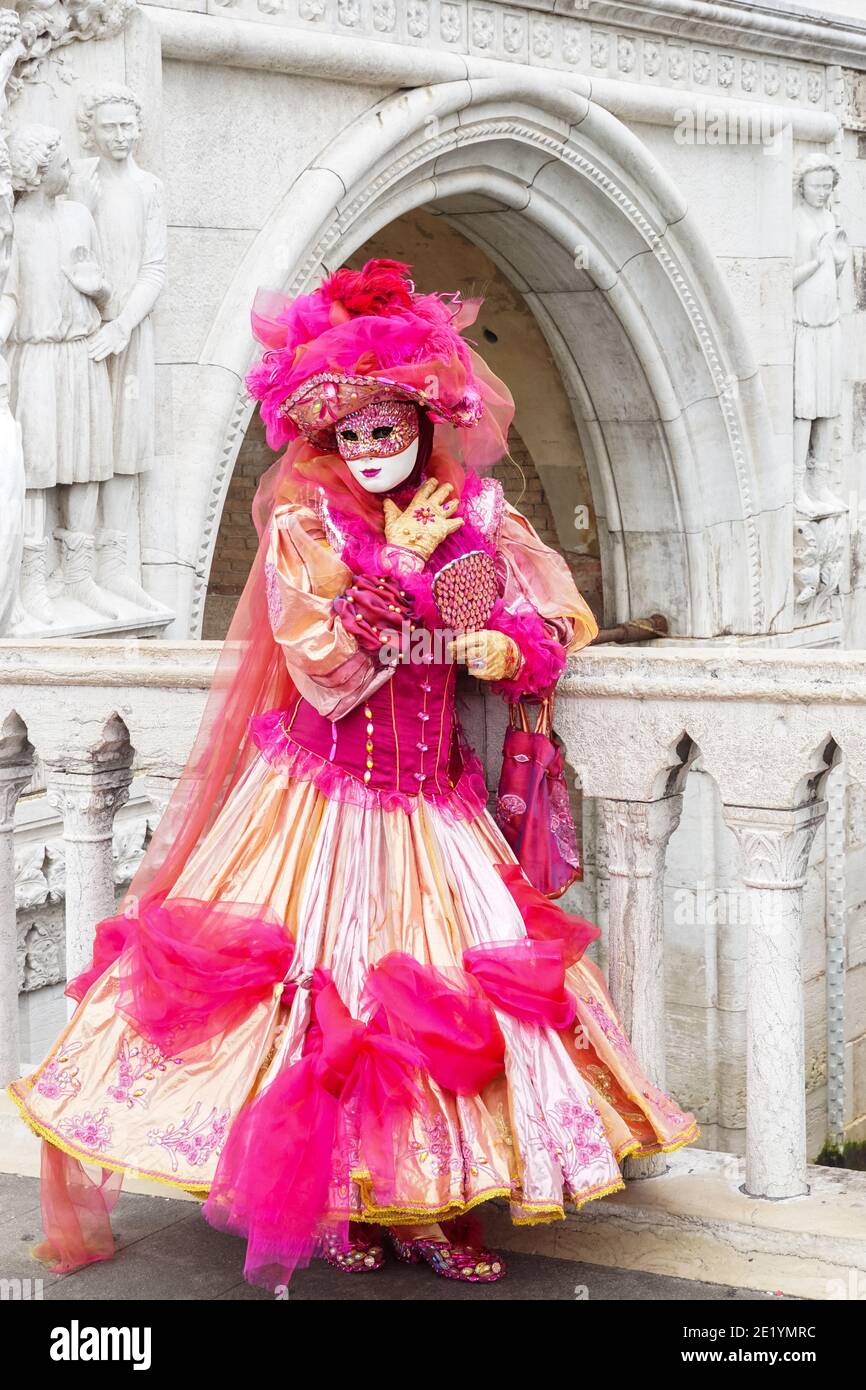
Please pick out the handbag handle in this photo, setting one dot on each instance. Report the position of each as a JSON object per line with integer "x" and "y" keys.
{"x": 519, "y": 718}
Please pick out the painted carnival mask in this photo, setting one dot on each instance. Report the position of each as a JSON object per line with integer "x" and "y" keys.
{"x": 379, "y": 444}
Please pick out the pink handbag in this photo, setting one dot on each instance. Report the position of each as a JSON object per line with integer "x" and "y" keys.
{"x": 533, "y": 810}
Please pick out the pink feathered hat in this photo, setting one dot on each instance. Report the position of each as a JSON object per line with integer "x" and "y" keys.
{"x": 366, "y": 335}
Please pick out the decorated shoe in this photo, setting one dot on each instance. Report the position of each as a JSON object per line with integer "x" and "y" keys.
{"x": 451, "y": 1259}
{"x": 356, "y": 1255}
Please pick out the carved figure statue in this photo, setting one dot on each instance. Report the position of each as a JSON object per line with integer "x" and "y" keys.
{"x": 49, "y": 311}
{"x": 127, "y": 205}
{"x": 820, "y": 253}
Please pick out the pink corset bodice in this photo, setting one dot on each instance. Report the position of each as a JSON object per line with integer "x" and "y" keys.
{"x": 401, "y": 746}
{"x": 398, "y": 740}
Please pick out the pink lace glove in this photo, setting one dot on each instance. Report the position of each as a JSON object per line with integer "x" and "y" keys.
{"x": 371, "y": 608}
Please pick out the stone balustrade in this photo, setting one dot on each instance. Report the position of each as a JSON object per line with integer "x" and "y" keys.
{"x": 767, "y": 726}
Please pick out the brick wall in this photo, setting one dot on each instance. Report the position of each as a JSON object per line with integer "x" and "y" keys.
{"x": 526, "y": 493}
{"x": 528, "y": 496}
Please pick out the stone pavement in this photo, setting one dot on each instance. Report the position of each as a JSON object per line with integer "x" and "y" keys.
{"x": 166, "y": 1251}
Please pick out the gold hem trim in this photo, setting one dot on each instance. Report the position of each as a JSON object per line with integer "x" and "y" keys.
{"x": 408, "y": 1216}
{"x": 371, "y": 1213}
{"x": 647, "y": 1150}
{"x": 43, "y": 1132}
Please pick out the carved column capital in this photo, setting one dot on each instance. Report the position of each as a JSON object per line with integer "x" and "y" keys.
{"x": 638, "y": 833}
{"x": 775, "y": 845}
{"x": 88, "y": 801}
{"x": 13, "y": 780}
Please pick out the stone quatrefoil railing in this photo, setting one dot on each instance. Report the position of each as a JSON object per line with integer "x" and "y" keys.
{"x": 766, "y": 725}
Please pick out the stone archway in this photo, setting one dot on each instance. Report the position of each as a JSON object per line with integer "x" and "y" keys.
{"x": 590, "y": 229}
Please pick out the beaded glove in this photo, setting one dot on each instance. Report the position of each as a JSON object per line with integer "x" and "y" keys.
{"x": 425, "y": 522}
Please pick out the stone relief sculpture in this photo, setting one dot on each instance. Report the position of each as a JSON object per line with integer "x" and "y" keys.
{"x": 127, "y": 205}
{"x": 43, "y": 26}
{"x": 50, "y": 308}
{"x": 819, "y": 559}
{"x": 820, "y": 255}
{"x": 11, "y": 457}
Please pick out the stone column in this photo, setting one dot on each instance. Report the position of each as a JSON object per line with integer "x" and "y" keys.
{"x": 775, "y": 847}
{"x": 836, "y": 951}
{"x": 13, "y": 779}
{"x": 637, "y": 834}
{"x": 88, "y": 795}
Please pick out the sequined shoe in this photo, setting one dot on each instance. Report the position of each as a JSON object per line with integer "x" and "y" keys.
{"x": 356, "y": 1255}
{"x": 451, "y": 1259}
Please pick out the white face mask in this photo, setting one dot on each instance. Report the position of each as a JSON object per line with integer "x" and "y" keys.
{"x": 379, "y": 443}
{"x": 384, "y": 474}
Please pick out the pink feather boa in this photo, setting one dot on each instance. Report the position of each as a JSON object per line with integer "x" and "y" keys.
{"x": 543, "y": 655}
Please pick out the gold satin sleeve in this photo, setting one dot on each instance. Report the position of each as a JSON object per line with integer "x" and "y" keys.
{"x": 541, "y": 576}
{"x": 304, "y": 575}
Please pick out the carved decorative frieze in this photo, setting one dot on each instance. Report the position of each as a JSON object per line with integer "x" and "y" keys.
{"x": 41, "y": 953}
{"x": 571, "y": 42}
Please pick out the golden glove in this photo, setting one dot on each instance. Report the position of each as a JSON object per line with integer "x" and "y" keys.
{"x": 426, "y": 521}
{"x": 489, "y": 655}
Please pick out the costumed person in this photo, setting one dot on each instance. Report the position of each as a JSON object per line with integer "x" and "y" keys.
{"x": 335, "y": 1006}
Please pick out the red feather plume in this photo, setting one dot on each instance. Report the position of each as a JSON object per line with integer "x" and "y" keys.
{"x": 379, "y": 287}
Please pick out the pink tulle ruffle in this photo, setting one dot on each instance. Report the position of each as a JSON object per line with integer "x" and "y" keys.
{"x": 190, "y": 970}
{"x": 525, "y": 978}
{"x": 545, "y": 920}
